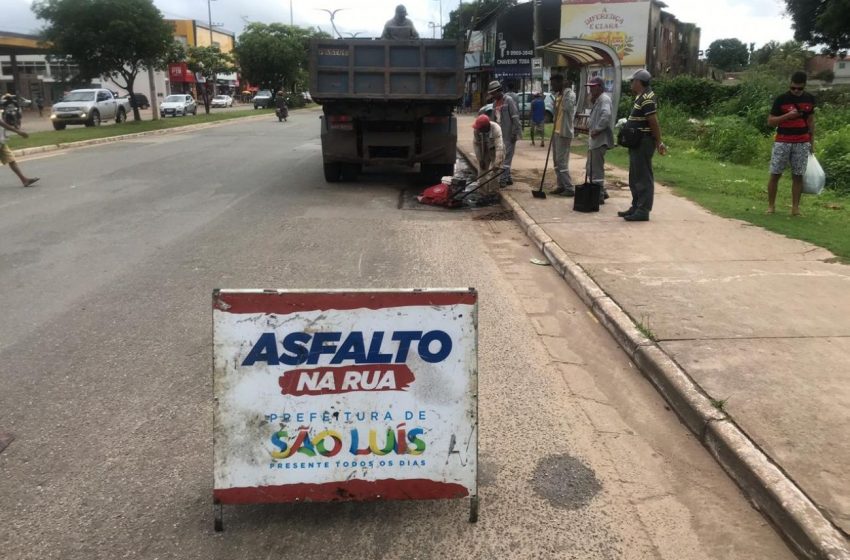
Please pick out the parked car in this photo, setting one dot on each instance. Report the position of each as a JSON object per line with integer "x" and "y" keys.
{"x": 222, "y": 101}
{"x": 307, "y": 97}
{"x": 263, "y": 99}
{"x": 178, "y": 105}
{"x": 89, "y": 107}
{"x": 141, "y": 100}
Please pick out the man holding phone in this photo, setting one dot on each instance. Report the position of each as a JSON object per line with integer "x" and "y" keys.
{"x": 793, "y": 114}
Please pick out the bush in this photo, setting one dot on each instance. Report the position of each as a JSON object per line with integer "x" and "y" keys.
{"x": 833, "y": 151}
{"x": 696, "y": 96}
{"x": 676, "y": 121}
{"x": 829, "y": 118}
{"x": 735, "y": 141}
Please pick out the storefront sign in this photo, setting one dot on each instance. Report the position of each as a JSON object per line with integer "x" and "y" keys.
{"x": 514, "y": 43}
{"x": 621, "y": 25}
{"x": 338, "y": 396}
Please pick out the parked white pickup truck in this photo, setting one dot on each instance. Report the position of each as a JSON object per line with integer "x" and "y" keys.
{"x": 89, "y": 107}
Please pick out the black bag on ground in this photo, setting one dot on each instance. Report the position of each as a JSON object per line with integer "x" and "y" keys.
{"x": 587, "y": 197}
{"x": 629, "y": 137}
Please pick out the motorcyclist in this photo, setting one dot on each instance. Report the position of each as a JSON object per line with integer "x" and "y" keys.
{"x": 281, "y": 108}
{"x": 11, "y": 110}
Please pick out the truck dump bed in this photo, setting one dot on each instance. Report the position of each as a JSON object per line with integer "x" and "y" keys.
{"x": 385, "y": 70}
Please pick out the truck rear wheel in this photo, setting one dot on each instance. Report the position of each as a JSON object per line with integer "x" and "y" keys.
{"x": 349, "y": 172}
{"x": 332, "y": 171}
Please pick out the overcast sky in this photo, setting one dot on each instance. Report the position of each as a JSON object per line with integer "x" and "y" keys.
{"x": 757, "y": 21}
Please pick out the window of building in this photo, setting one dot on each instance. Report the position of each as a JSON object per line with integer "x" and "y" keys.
{"x": 840, "y": 66}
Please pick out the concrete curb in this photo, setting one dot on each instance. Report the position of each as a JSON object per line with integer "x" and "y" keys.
{"x": 764, "y": 483}
{"x": 23, "y": 152}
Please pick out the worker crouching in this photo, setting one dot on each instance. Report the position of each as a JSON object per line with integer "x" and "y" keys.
{"x": 490, "y": 152}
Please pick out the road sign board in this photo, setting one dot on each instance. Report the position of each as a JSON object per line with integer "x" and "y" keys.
{"x": 344, "y": 395}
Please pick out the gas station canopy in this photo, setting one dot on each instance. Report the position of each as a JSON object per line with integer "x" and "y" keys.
{"x": 18, "y": 44}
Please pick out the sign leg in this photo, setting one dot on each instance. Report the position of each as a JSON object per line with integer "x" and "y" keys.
{"x": 473, "y": 509}
{"x": 218, "y": 517}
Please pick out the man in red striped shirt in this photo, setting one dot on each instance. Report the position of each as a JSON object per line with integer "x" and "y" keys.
{"x": 793, "y": 114}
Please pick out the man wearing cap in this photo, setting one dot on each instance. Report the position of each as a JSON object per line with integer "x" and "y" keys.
{"x": 506, "y": 114}
{"x": 562, "y": 136}
{"x": 489, "y": 150}
{"x": 400, "y": 28}
{"x": 641, "y": 179}
{"x": 600, "y": 127}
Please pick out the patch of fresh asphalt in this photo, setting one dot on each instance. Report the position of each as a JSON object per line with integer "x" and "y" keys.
{"x": 108, "y": 268}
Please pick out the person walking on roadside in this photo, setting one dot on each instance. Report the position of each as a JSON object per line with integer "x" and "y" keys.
{"x": 6, "y": 157}
{"x": 793, "y": 113}
{"x": 600, "y": 127}
{"x": 489, "y": 150}
{"x": 538, "y": 117}
{"x": 645, "y": 119}
{"x": 39, "y": 103}
{"x": 506, "y": 115}
{"x": 562, "y": 136}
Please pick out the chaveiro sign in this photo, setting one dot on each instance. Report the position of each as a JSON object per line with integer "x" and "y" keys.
{"x": 344, "y": 395}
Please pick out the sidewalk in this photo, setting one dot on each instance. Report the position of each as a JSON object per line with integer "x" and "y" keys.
{"x": 750, "y": 335}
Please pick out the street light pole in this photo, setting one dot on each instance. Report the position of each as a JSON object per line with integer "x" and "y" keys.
{"x": 441, "y": 18}
{"x": 209, "y": 13}
{"x": 291, "y": 20}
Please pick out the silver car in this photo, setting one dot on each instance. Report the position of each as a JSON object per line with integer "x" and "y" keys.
{"x": 178, "y": 105}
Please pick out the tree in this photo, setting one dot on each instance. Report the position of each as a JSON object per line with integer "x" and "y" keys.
{"x": 208, "y": 61}
{"x": 469, "y": 13}
{"x": 780, "y": 60}
{"x": 728, "y": 54}
{"x": 821, "y": 22}
{"x": 116, "y": 38}
{"x": 275, "y": 55}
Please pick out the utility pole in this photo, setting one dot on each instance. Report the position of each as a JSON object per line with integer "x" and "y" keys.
{"x": 291, "y": 20}
{"x": 441, "y": 18}
{"x": 433, "y": 27}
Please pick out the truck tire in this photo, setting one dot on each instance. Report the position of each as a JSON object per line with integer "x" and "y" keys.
{"x": 332, "y": 171}
{"x": 94, "y": 119}
{"x": 349, "y": 172}
{"x": 433, "y": 172}
{"x": 58, "y": 126}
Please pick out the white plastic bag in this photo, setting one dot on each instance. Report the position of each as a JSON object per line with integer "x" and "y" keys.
{"x": 814, "y": 178}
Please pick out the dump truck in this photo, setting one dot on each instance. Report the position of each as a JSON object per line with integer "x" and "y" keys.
{"x": 387, "y": 103}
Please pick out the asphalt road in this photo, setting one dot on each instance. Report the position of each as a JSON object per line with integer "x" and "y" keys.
{"x": 107, "y": 268}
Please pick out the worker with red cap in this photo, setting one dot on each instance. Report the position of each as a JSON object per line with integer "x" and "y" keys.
{"x": 489, "y": 150}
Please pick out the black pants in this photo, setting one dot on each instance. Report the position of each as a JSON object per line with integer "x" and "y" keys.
{"x": 641, "y": 178}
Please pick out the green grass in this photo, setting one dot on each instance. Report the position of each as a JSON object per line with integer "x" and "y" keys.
{"x": 740, "y": 191}
{"x": 77, "y": 133}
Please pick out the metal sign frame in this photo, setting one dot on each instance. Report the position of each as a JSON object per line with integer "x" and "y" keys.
{"x": 344, "y": 396}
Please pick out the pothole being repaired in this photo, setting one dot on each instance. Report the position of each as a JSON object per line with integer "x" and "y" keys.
{"x": 565, "y": 482}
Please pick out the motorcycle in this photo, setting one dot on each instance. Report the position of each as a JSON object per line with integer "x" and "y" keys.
{"x": 282, "y": 113}
{"x": 12, "y": 113}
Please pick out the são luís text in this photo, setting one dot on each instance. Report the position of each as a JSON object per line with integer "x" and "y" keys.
{"x": 352, "y": 443}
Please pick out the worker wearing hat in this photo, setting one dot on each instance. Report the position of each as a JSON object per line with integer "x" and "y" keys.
{"x": 400, "y": 27}
{"x": 600, "y": 125}
{"x": 641, "y": 178}
{"x": 506, "y": 114}
{"x": 489, "y": 150}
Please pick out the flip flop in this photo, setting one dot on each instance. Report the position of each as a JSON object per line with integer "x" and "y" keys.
{"x": 32, "y": 181}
